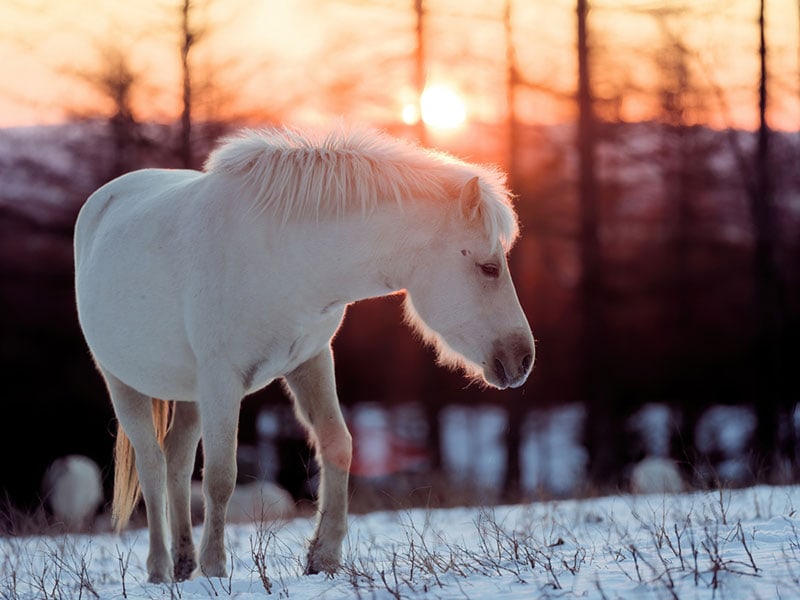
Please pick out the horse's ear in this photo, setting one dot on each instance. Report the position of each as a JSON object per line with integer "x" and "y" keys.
{"x": 470, "y": 200}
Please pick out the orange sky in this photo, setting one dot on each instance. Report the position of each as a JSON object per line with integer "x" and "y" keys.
{"x": 312, "y": 59}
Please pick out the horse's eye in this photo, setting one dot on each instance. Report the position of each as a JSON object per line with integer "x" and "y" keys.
{"x": 490, "y": 270}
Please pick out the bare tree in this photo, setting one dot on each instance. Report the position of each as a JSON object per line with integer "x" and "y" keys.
{"x": 116, "y": 82}
{"x": 204, "y": 99}
{"x": 512, "y": 482}
{"x": 513, "y": 80}
{"x": 773, "y": 406}
{"x": 420, "y": 67}
{"x": 683, "y": 159}
{"x": 600, "y": 442}
{"x": 190, "y": 35}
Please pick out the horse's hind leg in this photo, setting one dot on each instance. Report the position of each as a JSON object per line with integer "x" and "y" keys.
{"x": 317, "y": 405}
{"x": 134, "y": 412}
{"x": 180, "y": 447}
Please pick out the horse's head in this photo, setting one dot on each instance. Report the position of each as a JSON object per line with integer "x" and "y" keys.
{"x": 460, "y": 293}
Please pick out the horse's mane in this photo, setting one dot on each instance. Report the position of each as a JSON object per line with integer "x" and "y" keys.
{"x": 298, "y": 174}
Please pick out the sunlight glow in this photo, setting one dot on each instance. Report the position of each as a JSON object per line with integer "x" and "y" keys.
{"x": 410, "y": 114}
{"x": 442, "y": 108}
{"x": 304, "y": 38}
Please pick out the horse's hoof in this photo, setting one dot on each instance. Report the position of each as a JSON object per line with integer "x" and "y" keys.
{"x": 184, "y": 567}
{"x": 214, "y": 570}
{"x": 314, "y": 569}
{"x": 319, "y": 564}
{"x": 211, "y": 572}
{"x": 159, "y": 571}
{"x": 213, "y": 562}
{"x": 156, "y": 577}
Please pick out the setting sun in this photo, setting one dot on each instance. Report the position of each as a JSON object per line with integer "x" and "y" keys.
{"x": 442, "y": 107}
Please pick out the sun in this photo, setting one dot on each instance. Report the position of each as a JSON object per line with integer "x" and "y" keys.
{"x": 442, "y": 108}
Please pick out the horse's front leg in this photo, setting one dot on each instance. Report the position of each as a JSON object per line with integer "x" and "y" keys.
{"x": 314, "y": 390}
{"x": 218, "y": 401}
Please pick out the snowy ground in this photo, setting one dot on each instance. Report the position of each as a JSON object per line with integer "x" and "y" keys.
{"x": 742, "y": 544}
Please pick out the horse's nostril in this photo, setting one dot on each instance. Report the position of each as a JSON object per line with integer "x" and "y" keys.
{"x": 500, "y": 370}
{"x": 527, "y": 360}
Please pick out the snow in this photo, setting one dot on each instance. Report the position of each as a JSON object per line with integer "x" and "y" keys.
{"x": 727, "y": 544}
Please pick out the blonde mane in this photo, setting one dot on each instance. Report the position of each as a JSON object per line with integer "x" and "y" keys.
{"x": 298, "y": 175}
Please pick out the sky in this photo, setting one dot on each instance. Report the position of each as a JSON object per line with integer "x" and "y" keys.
{"x": 313, "y": 59}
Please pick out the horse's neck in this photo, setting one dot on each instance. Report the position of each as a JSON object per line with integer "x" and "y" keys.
{"x": 358, "y": 257}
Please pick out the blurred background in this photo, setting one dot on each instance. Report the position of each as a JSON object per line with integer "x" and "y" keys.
{"x": 654, "y": 150}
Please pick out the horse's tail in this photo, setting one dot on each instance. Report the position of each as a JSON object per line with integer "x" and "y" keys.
{"x": 126, "y": 480}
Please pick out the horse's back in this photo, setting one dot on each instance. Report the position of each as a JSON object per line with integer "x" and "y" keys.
{"x": 127, "y": 193}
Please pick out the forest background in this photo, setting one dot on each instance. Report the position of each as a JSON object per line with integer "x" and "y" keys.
{"x": 653, "y": 148}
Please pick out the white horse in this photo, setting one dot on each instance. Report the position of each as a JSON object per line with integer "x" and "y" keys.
{"x": 201, "y": 287}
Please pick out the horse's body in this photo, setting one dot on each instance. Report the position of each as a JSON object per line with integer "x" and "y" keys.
{"x": 200, "y": 287}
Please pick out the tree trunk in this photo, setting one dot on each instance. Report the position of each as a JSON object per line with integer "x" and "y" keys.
{"x": 515, "y": 414}
{"x": 187, "y": 41}
{"x": 512, "y": 480}
{"x": 512, "y": 82}
{"x": 601, "y": 432}
{"x": 420, "y": 76}
{"x": 771, "y": 402}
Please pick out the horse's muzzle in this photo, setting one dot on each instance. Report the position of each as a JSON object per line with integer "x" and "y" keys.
{"x": 511, "y": 362}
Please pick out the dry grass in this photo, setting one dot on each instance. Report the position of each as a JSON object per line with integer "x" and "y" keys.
{"x": 674, "y": 549}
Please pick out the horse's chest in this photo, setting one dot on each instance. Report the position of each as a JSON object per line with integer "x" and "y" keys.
{"x": 277, "y": 357}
